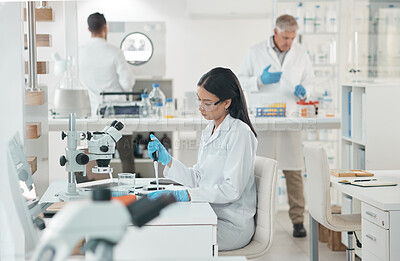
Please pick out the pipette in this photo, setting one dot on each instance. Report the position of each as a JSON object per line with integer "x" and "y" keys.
{"x": 155, "y": 163}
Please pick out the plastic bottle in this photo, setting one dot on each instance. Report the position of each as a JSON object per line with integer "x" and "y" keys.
{"x": 300, "y": 17}
{"x": 332, "y": 51}
{"x": 169, "y": 108}
{"x": 156, "y": 96}
{"x": 331, "y": 21}
{"x": 159, "y": 112}
{"x": 145, "y": 108}
{"x": 309, "y": 21}
{"x": 318, "y": 21}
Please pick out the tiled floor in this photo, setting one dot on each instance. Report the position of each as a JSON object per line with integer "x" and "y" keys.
{"x": 285, "y": 247}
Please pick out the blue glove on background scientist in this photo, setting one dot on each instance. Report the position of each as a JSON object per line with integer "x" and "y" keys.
{"x": 164, "y": 158}
{"x": 274, "y": 77}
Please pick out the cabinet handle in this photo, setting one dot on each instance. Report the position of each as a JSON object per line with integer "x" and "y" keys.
{"x": 370, "y": 237}
{"x": 369, "y": 213}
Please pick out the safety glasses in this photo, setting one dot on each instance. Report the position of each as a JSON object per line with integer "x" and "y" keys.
{"x": 207, "y": 105}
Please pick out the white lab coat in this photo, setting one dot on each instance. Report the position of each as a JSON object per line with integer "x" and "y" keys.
{"x": 102, "y": 67}
{"x": 284, "y": 146}
{"x": 224, "y": 177}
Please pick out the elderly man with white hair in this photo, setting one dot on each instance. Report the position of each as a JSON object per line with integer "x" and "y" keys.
{"x": 279, "y": 70}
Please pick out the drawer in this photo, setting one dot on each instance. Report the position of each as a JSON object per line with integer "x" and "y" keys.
{"x": 368, "y": 256}
{"x": 375, "y": 239}
{"x": 375, "y": 215}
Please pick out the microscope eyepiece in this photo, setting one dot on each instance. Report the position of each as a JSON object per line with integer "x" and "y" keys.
{"x": 119, "y": 126}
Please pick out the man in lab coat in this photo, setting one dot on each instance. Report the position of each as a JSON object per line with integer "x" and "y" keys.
{"x": 103, "y": 68}
{"x": 280, "y": 70}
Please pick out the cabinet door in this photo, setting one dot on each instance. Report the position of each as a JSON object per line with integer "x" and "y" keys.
{"x": 165, "y": 242}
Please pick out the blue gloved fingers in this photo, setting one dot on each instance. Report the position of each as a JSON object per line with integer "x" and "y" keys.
{"x": 152, "y": 147}
{"x": 278, "y": 74}
{"x": 157, "y": 194}
{"x": 180, "y": 195}
{"x": 300, "y": 91}
{"x": 267, "y": 69}
{"x": 155, "y": 145}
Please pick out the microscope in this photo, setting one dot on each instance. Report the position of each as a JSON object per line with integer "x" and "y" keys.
{"x": 101, "y": 147}
{"x": 103, "y": 222}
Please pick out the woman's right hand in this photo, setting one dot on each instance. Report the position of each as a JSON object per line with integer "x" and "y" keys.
{"x": 155, "y": 145}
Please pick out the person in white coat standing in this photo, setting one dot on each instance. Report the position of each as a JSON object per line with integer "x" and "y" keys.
{"x": 103, "y": 68}
{"x": 279, "y": 68}
{"x": 224, "y": 172}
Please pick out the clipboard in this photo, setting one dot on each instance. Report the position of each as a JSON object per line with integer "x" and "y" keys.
{"x": 373, "y": 184}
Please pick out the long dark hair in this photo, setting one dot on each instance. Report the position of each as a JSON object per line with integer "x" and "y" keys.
{"x": 223, "y": 83}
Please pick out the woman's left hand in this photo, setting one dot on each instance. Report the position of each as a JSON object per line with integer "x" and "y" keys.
{"x": 180, "y": 195}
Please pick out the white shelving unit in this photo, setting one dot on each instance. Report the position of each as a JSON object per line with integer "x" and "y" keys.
{"x": 370, "y": 131}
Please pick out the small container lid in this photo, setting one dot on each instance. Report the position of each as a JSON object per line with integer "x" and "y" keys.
{"x": 144, "y": 95}
{"x": 303, "y": 102}
{"x": 155, "y": 85}
{"x": 168, "y": 100}
{"x": 159, "y": 104}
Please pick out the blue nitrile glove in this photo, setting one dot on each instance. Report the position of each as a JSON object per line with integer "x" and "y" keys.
{"x": 163, "y": 155}
{"x": 180, "y": 195}
{"x": 270, "y": 77}
{"x": 300, "y": 91}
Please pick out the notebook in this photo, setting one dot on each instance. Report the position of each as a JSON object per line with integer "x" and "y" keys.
{"x": 369, "y": 184}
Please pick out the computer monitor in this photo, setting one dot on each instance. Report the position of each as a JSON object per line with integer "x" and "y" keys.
{"x": 18, "y": 193}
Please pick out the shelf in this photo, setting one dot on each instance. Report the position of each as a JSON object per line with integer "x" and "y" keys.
{"x": 42, "y": 40}
{"x": 35, "y": 97}
{"x": 362, "y": 143}
{"x": 41, "y": 67}
{"x": 33, "y": 130}
{"x": 139, "y": 161}
{"x": 319, "y": 34}
{"x": 42, "y": 14}
{"x": 32, "y": 163}
{"x": 325, "y": 65}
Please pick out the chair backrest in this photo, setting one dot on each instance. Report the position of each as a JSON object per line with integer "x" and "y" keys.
{"x": 318, "y": 184}
{"x": 266, "y": 172}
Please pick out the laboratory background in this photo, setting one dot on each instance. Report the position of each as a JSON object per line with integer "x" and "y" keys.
{"x": 99, "y": 98}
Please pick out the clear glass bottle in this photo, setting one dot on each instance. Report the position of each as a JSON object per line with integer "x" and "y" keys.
{"x": 169, "y": 108}
{"x": 156, "y": 96}
{"x": 145, "y": 108}
{"x": 159, "y": 112}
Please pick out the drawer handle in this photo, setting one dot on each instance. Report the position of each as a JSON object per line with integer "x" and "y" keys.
{"x": 369, "y": 213}
{"x": 370, "y": 237}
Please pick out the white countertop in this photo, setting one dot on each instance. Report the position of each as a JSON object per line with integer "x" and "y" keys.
{"x": 384, "y": 198}
{"x": 198, "y": 124}
{"x": 180, "y": 213}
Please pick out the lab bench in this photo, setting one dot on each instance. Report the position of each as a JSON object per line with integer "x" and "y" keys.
{"x": 185, "y": 135}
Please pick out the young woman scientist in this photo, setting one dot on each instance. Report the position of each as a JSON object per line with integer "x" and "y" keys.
{"x": 224, "y": 172}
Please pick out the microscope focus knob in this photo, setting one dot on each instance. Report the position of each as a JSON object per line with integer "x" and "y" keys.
{"x": 63, "y": 160}
{"x": 103, "y": 148}
{"x": 63, "y": 135}
{"x": 82, "y": 159}
{"x": 101, "y": 195}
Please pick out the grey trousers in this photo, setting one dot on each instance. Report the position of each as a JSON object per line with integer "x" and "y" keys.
{"x": 294, "y": 184}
